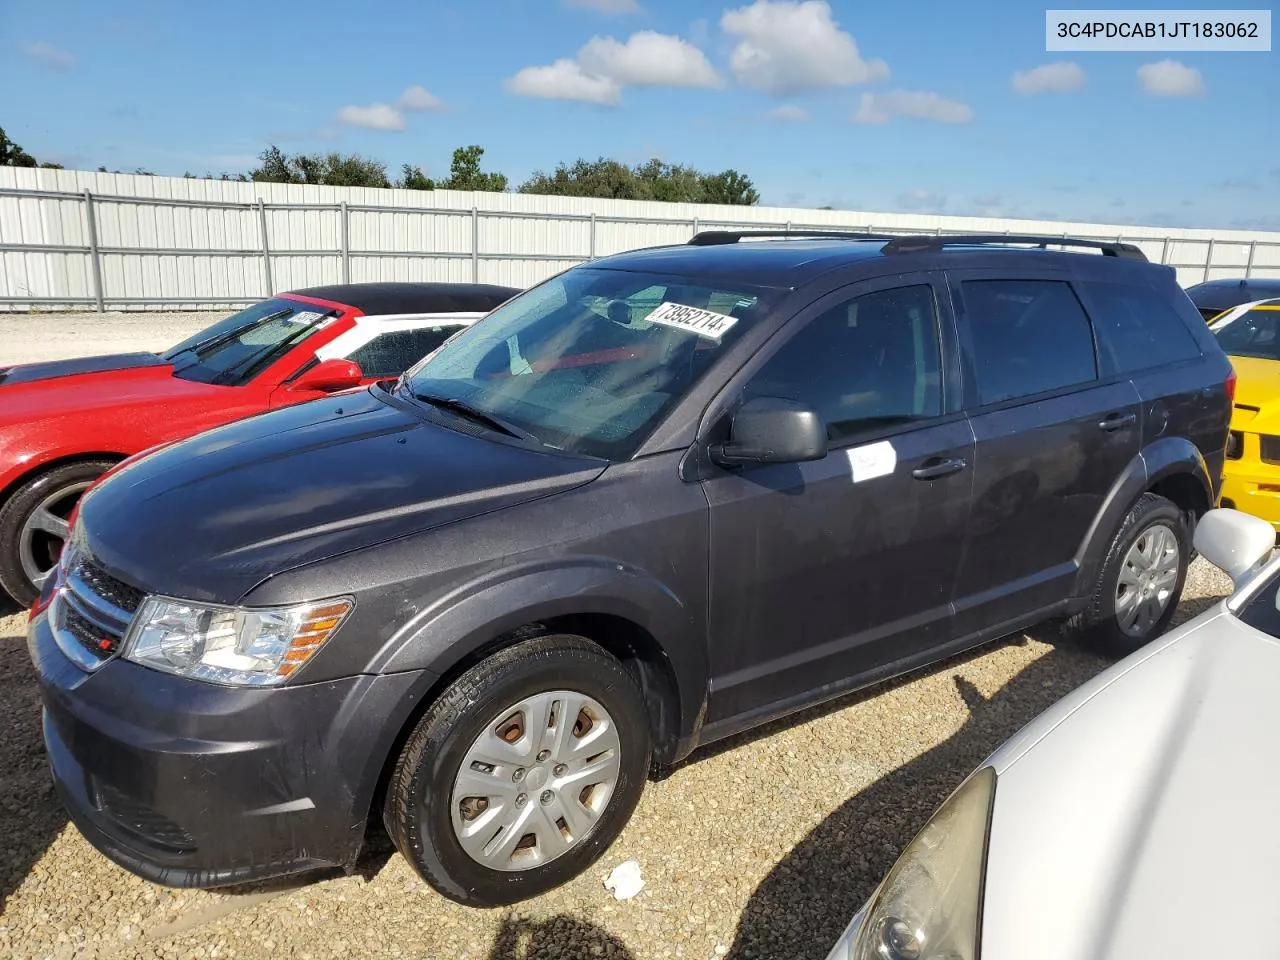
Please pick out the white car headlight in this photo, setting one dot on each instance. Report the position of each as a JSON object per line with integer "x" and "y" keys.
{"x": 231, "y": 645}
{"x": 928, "y": 906}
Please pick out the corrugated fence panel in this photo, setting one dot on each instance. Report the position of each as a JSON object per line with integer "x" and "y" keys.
{"x": 166, "y": 241}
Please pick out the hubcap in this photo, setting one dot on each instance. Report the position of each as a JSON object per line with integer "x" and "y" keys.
{"x": 45, "y": 531}
{"x": 1147, "y": 580}
{"x": 535, "y": 781}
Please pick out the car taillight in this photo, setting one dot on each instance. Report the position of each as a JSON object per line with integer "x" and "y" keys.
{"x": 1231, "y": 386}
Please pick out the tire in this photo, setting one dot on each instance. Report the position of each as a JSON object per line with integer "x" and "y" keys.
{"x": 428, "y": 813}
{"x": 1108, "y": 623}
{"x": 28, "y": 541}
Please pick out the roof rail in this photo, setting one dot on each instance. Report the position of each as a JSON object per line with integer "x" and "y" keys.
{"x": 923, "y": 243}
{"x": 712, "y": 238}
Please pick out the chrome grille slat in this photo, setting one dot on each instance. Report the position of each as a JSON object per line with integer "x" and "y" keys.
{"x": 94, "y": 609}
{"x": 91, "y": 613}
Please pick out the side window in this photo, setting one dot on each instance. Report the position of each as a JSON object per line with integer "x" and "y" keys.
{"x": 1139, "y": 327}
{"x": 390, "y": 354}
{"x": 867, "y": 363}
{"x": 1028, "y": 337}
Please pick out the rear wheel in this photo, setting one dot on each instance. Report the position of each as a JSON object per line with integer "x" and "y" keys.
{"x": 522, "y": 774}
{"x": 34, "y": 528}
{"x": 1141, "y": 582}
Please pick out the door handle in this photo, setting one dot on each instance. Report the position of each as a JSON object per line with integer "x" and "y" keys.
{"x": 937, "y": 467}
{"x": 1118, "y": 422}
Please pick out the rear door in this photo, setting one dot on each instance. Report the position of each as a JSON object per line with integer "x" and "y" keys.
{"x": 1054, "y": 430}
{"x": 827, "y": 570}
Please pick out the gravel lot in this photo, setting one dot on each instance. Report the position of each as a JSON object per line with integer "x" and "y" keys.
{"x": 758, "y": 848}
{"x": 762, "y": 847}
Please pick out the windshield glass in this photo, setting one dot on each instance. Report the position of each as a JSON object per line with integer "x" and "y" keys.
{"x": 588, "y": 361}
{"x": 236, "y": 349}
{"x": 1252, "y": 334}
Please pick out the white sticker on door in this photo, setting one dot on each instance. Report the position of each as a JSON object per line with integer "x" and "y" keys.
{"x": 873, "y": 460}
{"x": 705, "y": 323}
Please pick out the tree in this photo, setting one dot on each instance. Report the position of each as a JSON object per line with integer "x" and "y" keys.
{"x": 465, "y": 173}
{"x": 412, "y": 178}
{"x": 330, "y": 169}
{"x": 652, "y": 180}
{"x": 12, "y": 155}
{"x": 275, "y": 167}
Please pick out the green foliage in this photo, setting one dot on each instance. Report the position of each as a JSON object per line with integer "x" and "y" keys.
{"x": 653, "y": 180}
{"x": 465, "y": 173}
{"x": 412, "y": 178}
{"x": 12, "y": 155}
{"x": 331, "y": 169}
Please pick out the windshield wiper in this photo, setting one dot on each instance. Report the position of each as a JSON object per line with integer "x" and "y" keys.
{"x": 201, "y": 347}
{"x": 468, "y": 412}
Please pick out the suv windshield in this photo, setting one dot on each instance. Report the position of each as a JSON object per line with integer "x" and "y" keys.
{"x": 1252, "y": 334}
{"x": 588, "y": 361}
{"x": 236, "y": 349}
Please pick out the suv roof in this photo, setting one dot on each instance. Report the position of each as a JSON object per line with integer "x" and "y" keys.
{"x": 788, "y": 258}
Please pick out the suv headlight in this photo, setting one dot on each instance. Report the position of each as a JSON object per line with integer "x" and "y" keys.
{"x": 231, "y": 645}
{"x": 928, "y": 906}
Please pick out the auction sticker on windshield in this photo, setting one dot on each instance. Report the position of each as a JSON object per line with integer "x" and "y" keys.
{"x": 705, "y": 323}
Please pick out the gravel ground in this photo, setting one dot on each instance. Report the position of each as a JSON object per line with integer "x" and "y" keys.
{"x": 761, "y": 847}
{"x": 29, "y": 337}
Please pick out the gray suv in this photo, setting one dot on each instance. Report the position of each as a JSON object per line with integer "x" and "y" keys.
{"x": 654, "y": 501}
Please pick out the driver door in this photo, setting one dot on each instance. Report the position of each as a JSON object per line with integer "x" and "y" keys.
{"x": 839, "y": 568}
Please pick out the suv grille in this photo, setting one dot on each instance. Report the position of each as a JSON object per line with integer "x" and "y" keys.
{"x": 1270, "y": 448}
{"x": 91, "y": 613}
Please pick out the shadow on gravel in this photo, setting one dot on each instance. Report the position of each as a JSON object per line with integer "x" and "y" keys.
{"x": 803, "y": 905}
{"x": 560, "y": 938}
{"x": 29, "y": 809}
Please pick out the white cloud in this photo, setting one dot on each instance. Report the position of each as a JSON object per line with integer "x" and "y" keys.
{"x": 1061, "y": 77}
{"x": 790, "y": 45}
{"x": 605, "y": 65}
{"x": 564, "y": 80}
{"x": 920, "y": 104}
{"x": 605, "y": 6}
{"x": 788, "y": 114}
{"x": 920, "y": 199}
{"x": 648, "y": 59}
{"x": 376, "y": 116}
{"x": 1169, "y": 78}
{"x": 418, "y": 97}
{"x": 49, "y": 55}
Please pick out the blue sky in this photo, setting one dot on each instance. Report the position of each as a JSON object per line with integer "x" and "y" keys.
{"x": 911, "y": 106}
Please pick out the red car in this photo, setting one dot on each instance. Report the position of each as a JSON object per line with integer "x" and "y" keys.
{"x": 64, "y": 423}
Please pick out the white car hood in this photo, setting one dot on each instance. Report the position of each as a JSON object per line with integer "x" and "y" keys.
{"x": 1140, "y": 817}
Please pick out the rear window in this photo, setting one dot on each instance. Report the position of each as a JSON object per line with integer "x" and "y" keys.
{"x": 1138, "y": 328}
{"x": 1028, "y": 337}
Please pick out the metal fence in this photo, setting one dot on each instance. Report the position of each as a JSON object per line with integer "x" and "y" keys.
{"x": 254, "y": 248}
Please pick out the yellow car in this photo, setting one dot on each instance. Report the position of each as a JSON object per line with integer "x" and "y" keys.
{"x": 1250, "y": 336}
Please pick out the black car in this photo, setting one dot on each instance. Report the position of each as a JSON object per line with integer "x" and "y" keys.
{"x": 654, "y": 501}
{"x": 1217, "y": 296}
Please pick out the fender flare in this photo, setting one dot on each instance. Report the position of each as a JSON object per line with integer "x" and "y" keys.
{"x": 467, "y": 620}
{"x": 1157, "y": 461}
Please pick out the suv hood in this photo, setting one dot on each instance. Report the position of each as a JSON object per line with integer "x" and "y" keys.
{"x": 1137, "y": 818}
{"x": 210, "y": 517}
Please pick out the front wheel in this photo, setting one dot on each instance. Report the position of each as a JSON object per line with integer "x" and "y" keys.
{"x": 34, "y": 528}
{"x": 522, "y": 773}
{"x": 1141, "y": 581}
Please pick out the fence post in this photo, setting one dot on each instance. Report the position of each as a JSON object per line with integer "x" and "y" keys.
{"x": 475, "y": 245}
{"x": 345, "y": 235}
{"x": 266, "y": 249}
{"x": 592, "y": 249}
{"x": 1164, "y": 253}
{"x": 1208, "y": 259}
{"x": 1248, "y": 267}
{"x": 91, "y": 228}
{"x": 695, "y": 226}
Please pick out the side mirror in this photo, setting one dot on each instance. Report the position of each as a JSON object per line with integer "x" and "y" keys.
{"x": 330, "y": 375}
{"x": 1235, "y": 542}
{"x": 772, "y": 430}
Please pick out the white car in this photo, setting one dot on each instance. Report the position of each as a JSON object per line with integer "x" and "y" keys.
{"x": 1137, "y": 817}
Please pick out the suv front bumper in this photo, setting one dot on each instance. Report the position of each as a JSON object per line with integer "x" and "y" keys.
{"x": 189, "y": 784}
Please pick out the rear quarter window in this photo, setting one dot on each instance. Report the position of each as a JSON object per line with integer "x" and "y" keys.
{"x": 1138, "y": 327}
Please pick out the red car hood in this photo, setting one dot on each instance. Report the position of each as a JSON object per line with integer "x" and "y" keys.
{"x": 40, "y": 390}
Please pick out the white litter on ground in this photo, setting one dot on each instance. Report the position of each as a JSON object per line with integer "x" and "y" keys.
{"x": 625, "y": 880}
